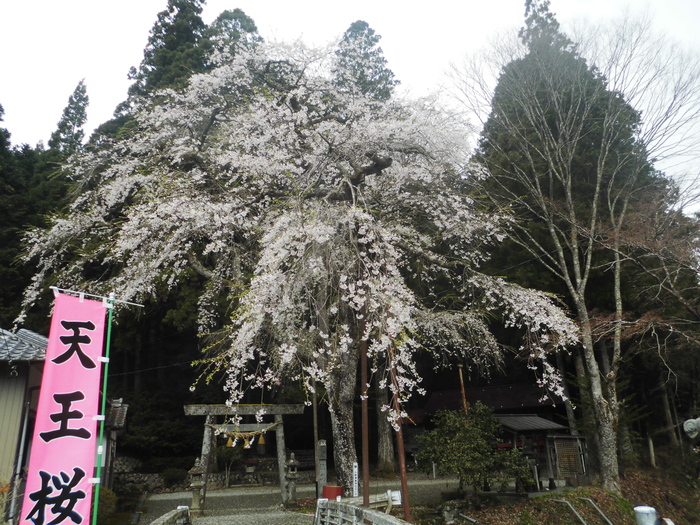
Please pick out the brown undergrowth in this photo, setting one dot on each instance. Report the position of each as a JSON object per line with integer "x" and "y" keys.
{"x": 673, "y": 490}
{"x": 671, "y": 493}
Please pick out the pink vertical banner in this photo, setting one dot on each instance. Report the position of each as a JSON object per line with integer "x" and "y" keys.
{"x": 59, "y": 481}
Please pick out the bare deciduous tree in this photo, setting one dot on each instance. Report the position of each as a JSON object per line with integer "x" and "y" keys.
{"x": 570, "y": 136}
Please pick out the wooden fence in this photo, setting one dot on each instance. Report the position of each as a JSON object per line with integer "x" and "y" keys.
{"x": 330, "y": 512}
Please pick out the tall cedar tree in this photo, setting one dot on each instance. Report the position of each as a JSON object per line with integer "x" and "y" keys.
{"x": 69, "y": 135}
{"x": 361, "y": 65}
{"x": 180, "y": 45}
{"x": 230, "y": 31}
{"x": 31, "y": 186}
{"x": 13, "y": 216}
{"x": 565, "y": 159}
{"x": 172, "y": 54}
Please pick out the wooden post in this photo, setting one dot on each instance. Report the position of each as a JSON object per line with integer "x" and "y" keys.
{"x": 401, "y": 450}
{"x": 314, "y": 401}
{"x": 464, "y": 394}
{"x": 550, "y": 470}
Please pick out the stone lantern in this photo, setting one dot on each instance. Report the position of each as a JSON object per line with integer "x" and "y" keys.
{"x": 197, "y": 474}
{"x": 292, "y": 475}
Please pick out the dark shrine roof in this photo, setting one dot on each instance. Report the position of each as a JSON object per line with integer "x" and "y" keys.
{"x": 24, "y": 345}
{"x": 527, "y": 423}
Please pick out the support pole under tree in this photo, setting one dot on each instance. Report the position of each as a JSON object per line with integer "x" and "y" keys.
{"x": 314, "y": 402}
{"x": 401, "y": 450}
{"x": 464, "y": 393}
{"x": 365, "y": 418}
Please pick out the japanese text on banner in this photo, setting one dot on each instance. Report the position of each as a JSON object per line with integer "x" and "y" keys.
{"x": 63, "y": 447}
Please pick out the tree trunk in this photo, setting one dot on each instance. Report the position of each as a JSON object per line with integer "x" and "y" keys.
{"x": 677, "y": 428}
{"x": 138, "y": 365}
{"x": 588, "y": 423}
{"x": 609, "y": 466}
{"x": 652, "y": 454}
{"x": 668, "y": 416}
{"x": 386, "y": 457}
{"x": 341, "y": 396}
{"x": 604, "y": 409}
{"x": 628, "y": 454}
{"x": 344, "y": 453}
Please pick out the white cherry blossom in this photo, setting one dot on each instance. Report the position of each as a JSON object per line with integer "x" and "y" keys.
{"x": 325, "y": 218}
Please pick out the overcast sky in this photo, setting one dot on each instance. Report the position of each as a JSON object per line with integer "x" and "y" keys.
{"x": 48, "y": 46}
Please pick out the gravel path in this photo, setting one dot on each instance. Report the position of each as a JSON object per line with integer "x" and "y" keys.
{"x": 262, "y": 505}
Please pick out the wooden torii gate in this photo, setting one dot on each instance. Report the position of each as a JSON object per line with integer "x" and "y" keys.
{"x": 212, "y": 411}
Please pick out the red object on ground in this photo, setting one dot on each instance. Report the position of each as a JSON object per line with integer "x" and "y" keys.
{"x": 331, "y": 491}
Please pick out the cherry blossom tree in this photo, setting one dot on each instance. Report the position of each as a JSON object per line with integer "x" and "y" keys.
{"x": 322, "y": 217}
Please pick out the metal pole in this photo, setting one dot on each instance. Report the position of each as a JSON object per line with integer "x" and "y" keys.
{"x": 100, "y": 446}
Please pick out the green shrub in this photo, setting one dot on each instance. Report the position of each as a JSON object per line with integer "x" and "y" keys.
{"x": 465, "y": 445}
{"x": 107, "y": 507}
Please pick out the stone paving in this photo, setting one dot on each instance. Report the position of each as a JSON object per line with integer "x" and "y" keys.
{"x": 262, "y": 505}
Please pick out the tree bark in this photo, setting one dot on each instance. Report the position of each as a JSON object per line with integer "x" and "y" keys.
{"x": 668, "y": 416}
{"x": 604, "y": 409}
{"x": 138, "y": 363}
{"x": 628, "y": 454}
{"x": 386, "y": 457}
{"x": 650, "y": 445}
{"x": 341, "y": 396}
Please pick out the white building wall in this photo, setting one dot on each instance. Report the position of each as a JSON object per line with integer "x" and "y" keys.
{"x": 12, "y": 390}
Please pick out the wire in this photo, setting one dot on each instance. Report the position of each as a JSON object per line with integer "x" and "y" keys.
{"x": 149, "y": 369}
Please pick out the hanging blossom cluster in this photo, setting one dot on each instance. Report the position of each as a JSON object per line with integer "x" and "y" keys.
{"x": 326, "y": 218}
{"x": 545, "y": 326}
{"x": 327, "y": 277}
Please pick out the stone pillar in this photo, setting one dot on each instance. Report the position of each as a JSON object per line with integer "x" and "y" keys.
{"x": 207, "y": 453}
{"x": 281, "y": 457}
{"x": 322, "y": 467}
